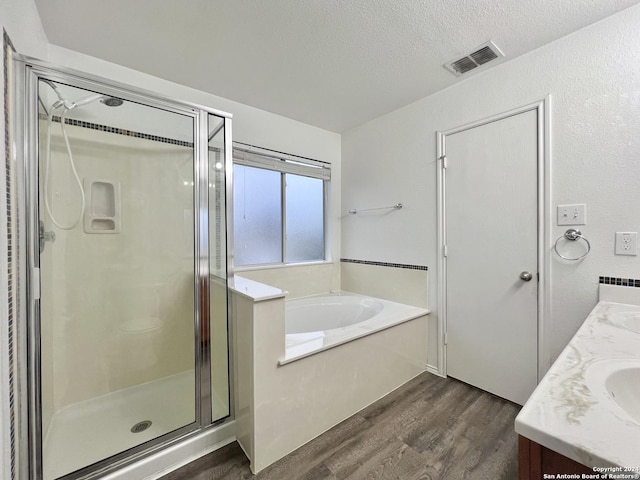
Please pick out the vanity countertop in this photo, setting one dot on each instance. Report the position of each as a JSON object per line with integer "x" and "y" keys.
{"x": 569, "y": 412}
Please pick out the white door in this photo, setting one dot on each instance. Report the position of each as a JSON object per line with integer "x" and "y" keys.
{"x": 491, "y": 237}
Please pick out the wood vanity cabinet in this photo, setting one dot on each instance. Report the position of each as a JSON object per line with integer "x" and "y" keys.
{"x": 534, "y": 460}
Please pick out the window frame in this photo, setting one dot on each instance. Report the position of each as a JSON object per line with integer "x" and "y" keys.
{"x": 284, "y": 163}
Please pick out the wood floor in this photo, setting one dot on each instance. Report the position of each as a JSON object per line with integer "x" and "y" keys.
{"x": 432, "y": 428}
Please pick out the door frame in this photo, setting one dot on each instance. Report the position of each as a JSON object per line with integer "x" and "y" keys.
{"x": 543, "y": 111}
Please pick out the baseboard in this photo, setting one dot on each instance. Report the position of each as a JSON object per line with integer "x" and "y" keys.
{"x": 435, "y": 371}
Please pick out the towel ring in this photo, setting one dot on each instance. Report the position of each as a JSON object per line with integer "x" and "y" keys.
{"x": 573, "y": 235}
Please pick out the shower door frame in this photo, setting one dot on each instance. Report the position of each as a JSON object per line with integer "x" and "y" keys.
{"x": 27, "y": 73}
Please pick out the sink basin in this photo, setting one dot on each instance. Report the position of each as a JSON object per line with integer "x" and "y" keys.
{"x": 628, "y": 320}
{"x": 617, "y": 381}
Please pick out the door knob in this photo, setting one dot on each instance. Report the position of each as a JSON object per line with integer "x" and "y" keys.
{"x": 526, "y": 276}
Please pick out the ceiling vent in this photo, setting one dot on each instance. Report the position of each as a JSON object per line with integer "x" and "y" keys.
{"x": 482, "y": 55}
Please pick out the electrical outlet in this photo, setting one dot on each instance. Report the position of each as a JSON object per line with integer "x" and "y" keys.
{"x": 572, "y": 214}
{"x": 626, "y": 243}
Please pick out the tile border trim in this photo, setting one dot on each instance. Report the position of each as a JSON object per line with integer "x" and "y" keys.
{"x": 621, "y": 282}
{"x": 118, "y": 131}
{"x": 385, "y": 264}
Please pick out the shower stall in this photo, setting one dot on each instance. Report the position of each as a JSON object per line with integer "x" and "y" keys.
{"x": 122, "y": 344}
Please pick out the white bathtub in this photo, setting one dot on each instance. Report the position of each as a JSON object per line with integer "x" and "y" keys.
{"x": 319, "y": 322}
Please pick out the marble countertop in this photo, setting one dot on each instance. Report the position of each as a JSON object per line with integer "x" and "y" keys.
{"x": 253, "y": 290}
{"x": 568, "y": 414}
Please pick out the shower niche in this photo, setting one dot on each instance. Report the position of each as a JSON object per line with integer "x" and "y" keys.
{"x": 103, "y": 209}
{"x": 114, "y": 322}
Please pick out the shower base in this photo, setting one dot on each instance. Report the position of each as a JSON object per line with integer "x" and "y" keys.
{"x": 92, "y": 430}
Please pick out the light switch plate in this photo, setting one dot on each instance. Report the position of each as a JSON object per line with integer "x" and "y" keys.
{"x": 572, "y": 214}
{"x": 626, "y": 243}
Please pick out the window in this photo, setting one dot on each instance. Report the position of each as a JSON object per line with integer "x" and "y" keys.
{"x": 279, "y": 207}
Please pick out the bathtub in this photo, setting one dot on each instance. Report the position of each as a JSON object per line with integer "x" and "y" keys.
{"x": 320, "y": 322}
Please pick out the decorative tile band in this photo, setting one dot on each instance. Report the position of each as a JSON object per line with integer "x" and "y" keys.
{"x": 385, "y": 264}
{"x": 119, "y": 131}
{"x": 623, "y": 282}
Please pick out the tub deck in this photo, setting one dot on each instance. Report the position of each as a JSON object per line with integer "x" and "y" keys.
{"x": 301, "y": 345}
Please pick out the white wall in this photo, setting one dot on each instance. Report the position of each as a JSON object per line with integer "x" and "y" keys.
{"x": 251, "y": 125}
{"x": 21, "y": 21}
{"x": 595, "y": 83}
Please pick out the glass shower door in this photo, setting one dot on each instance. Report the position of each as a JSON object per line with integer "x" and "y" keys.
{"x": 219, "y": 348}
{"x": 117, "y": 301}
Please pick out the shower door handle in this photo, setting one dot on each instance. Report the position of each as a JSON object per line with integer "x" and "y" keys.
{"x": 45, "y": 236}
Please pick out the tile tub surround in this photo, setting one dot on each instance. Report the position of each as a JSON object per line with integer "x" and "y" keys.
{"x": 392, "y": 281}
{"x": 298, "y": 280}
{"x": 280, "y": 408}
{"x": 565, "y": 415}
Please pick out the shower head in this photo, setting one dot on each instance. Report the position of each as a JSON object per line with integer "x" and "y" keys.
{"x": 112, "y": 101}
{"x": 69, "y": 105}
{"x": 108, "y": 101}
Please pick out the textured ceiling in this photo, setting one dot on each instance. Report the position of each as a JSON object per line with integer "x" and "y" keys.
{"x": 334, "y": 64}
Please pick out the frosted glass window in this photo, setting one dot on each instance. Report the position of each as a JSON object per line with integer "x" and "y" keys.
{"x": 304, "y": 218}
{"x": 279, "y": 208}
{"x": 257, "y": 197}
